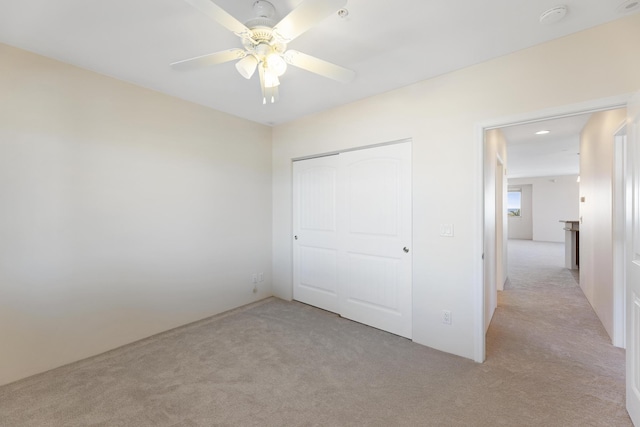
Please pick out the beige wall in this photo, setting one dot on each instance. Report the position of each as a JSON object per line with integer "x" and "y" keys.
{"x": 442, "y": 116}
{"x": 596, "y": 229}
{"x": 124, "y": 213}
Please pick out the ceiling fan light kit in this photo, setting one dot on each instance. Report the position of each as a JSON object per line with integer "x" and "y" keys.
{"x": 265, "y": 43}
{"x": 247, "y": 66}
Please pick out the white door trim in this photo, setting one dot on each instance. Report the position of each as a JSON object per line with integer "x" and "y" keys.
{"x": 619, "y": 235}
{"x": 591, "y": 106}
{"x": 501, "y": 184}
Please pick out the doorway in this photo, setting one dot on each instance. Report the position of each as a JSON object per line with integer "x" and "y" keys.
{"x": 482, "y": 129}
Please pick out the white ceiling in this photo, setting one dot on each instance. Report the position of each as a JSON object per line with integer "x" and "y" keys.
{"x": 389, "y": 44}
{"x": 554, "y": 154}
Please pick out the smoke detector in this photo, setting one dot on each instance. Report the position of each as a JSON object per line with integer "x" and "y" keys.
{"x": 553, "y": 15}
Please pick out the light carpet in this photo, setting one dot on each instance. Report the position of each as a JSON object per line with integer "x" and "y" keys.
{"x": 276, "y": 363}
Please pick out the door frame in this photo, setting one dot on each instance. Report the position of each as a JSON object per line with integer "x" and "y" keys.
{"x": 592, "y": 106}
{"x": 501, "y": 224}
{"x": 346, "y": 150}
{"x": 619, "y": 216}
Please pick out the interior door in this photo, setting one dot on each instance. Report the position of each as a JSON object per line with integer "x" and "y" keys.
{"x": 375, "y": 269}
{"x": 633, "y": 261}
{"x": 315, "y": 247}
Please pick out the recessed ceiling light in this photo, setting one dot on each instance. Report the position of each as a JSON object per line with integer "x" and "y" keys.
{"x": 543, "y": 132}
{"x": 553, "y": 15}
{"x": 629, "y": 6}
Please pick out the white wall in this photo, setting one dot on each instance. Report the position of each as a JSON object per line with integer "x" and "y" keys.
{"x": 442, "y": 115}
{"x": 495, "y": 159}
{"x": 596, "y": 230}
{"x": 553, "y": 198}
{"x": 124, "y": 213}
{"x": 521, "y": 227}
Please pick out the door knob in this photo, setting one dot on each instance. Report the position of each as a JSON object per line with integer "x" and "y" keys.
{"x": 406, "y": 250}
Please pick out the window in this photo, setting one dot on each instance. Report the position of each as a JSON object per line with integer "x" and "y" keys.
{"x": 514, "y": 202}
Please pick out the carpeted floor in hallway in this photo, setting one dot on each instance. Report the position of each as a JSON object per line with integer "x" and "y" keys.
{"x": 275, "y": 363}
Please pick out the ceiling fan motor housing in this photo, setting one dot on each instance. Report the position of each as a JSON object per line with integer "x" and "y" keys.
{"x": 261, "y": 28}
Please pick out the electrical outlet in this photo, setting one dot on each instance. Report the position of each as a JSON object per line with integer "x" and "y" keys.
{"x": 446, "y": 230}
{"x": 254, "y": 278}
{"x": 261, "y": 277}
{"x": 446, "y": 317}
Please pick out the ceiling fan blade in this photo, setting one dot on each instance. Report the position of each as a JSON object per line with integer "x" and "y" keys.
{"x": 218, "y": 14}
{"x": 305, "y": 16}
{"x": 209, "y": 59}
{"x": 319, "y": 66}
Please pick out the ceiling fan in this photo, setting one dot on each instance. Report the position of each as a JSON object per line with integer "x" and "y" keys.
{"x": 265, "y": 43}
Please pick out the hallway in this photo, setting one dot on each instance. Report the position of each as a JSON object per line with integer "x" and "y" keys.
{"x": 545, "y": 332}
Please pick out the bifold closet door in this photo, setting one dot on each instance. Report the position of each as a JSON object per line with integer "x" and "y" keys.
{"x": 352, "y": 235}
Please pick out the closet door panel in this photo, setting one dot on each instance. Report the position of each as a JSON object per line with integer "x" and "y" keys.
{"x": 375, "y": 224}
{"x": 315, "y": 244}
